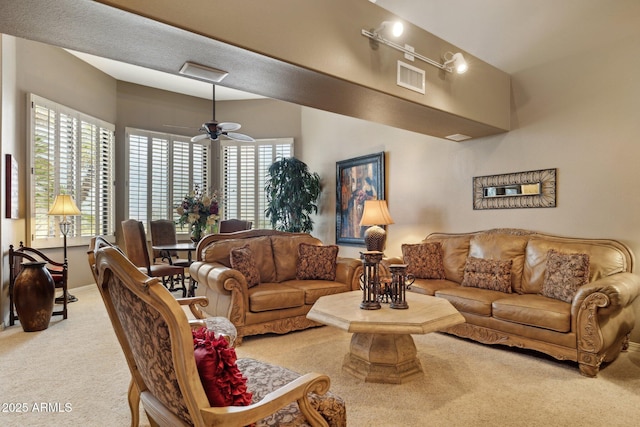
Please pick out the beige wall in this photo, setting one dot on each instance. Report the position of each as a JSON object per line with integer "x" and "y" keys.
{"x": 578, "y": 115}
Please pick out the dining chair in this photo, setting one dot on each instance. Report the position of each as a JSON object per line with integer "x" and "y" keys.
{"x": 232, "y": 225}
{"x": 159, "y": 345}
{"x": 163, "y": 233}
{"x": 58, "y": 270}
{"x": 135, "y": 245}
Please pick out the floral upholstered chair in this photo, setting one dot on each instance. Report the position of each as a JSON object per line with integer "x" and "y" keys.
{"x": 168, "y": 359}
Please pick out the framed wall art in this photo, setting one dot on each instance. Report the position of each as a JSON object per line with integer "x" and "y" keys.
{"x": 530, "y": 189}
{"x": 357, "y": 180}
{"x": 11, "y": 187}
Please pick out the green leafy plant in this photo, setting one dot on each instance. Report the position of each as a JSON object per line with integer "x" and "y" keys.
{"x": 292, "y": 192}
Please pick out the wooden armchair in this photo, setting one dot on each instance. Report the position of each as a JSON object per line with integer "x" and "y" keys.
{"x": 157, "y": 341}
{"x": 57, "y": 269}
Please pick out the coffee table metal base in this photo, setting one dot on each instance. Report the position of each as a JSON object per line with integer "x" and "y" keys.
{"x": 382, "y": 358}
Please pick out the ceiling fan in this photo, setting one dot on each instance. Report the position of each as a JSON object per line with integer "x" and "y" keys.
{"x": 214, "y": 130}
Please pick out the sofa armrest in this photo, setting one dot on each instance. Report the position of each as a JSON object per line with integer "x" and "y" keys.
{"x": 602, "y": 317}
{"x": 345, "y": 271}
{"x": 226, "y": 288}
{"x": 619, "y": 289}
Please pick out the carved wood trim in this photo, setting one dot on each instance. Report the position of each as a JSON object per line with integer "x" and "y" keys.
{"x": 278, "y": 326}
{"x": 590, "y": 338}
{"x": 492, "y": 336}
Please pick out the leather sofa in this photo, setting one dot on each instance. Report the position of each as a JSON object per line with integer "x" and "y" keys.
{"x": 589, "y": 327}
{"x": 280, "y": 300}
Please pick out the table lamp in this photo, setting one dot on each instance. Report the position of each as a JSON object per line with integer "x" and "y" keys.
{"x": 65, "y": 206}
{"x": 375, "y": 214}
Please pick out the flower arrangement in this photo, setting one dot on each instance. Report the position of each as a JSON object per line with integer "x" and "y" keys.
{"x": 199, "y": 210}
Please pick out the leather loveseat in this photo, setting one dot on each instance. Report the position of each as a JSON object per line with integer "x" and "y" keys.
{"x": 288, "y": 282}
{"x": 567, "y": 297}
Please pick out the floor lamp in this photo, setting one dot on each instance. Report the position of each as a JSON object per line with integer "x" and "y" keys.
{"x": 64, "y": 206}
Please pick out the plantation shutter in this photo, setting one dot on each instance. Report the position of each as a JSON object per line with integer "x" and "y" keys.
{"x": 70, "y": 153}
{"x": 163, "y": 168}
{"x": 245, "y": 167}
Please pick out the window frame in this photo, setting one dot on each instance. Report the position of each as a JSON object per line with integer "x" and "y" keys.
{"x": 102, "y": 182}
{"x": 172, "y": 140}
{"x": 260, "y": 173}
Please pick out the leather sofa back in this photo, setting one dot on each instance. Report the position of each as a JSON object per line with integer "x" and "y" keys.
{"x": 528, "y": 250}
{"x": 276, "y": 256}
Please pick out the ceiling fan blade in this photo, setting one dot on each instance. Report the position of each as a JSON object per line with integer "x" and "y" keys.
{"x": 238, "y": 137}
{"x": 199, "y": 137}
{"x": 228, "y": 126}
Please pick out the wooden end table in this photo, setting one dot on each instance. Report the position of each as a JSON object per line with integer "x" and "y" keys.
{"x": 382, "y": 349}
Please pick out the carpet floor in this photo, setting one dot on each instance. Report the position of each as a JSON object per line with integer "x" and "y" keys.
{"x": 74, "y": 374}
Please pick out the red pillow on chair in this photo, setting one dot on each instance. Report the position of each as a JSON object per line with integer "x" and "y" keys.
{"x": 216, "y": 361}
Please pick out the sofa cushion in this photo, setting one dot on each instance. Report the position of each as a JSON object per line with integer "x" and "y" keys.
{"x": 316, "y": 262}
{"x": 564, "y": 274}
{"x": 455, "y": 251}
{"x": 242, "y": 260}
{"x": 274, "y": 296}
{"x": 534, "y": 310}
{"x": 221, "y": 378}
{"x": 220, "y": 252}
{"x": 471, "y": 300}
{"x": 502, "y": 246}
{"x": 285, "y": 254}
{"x": 314, "y": 289}
{"x": 489, "y": 274}
{"x": 604, "y": 260}
{"x": 424, "y": 260}
{"x": 430, "y": 286}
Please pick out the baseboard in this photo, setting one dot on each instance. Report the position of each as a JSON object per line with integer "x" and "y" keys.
{"x": 634, "y": 346}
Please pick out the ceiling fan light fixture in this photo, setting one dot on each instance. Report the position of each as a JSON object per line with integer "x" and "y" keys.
{"x": 203, "y": 72}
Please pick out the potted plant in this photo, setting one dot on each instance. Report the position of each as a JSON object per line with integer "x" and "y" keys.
{"x": 292, "y": 192}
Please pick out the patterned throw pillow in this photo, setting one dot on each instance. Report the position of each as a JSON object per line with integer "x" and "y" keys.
{"x": 564, "y": 274}
{"x": 492, "y": 274}
{"x": 242, "y": 260}
{"x": 316, "y": 262}
{"x": 424, "y": 260}
{"x": 220, "y": 376}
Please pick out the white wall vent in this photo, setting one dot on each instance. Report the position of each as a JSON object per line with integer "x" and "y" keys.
{"x": 411, "y": 77}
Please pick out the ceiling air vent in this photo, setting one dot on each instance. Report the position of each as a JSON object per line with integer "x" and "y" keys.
{"x": 411, "y": 77}
{"x": 457, "y": 137}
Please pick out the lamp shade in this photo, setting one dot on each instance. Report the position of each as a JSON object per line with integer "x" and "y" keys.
{"x": 376, "y": 213}
{"x": 64, "y": 205}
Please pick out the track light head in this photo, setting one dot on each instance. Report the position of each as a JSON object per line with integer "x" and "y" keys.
{"x": 456, "y": 61}
{"x": 397, "y": 28}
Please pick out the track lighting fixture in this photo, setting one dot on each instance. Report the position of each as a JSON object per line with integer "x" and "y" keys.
{"x": 451, "y": 60}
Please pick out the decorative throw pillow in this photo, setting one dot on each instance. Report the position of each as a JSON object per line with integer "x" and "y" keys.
{"x": 316, "y": 262}
{"x": 492, "y": 274}
{"x": 424, "y": 260}
{"x": 216, "y": 361}
{"x": 564, "y": 274}
{"x": 242, "y": 260}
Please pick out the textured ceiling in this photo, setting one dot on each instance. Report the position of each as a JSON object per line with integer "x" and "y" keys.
{"x": 515, "y": 35}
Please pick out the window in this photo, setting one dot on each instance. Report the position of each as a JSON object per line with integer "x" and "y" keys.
{"x": 70, "y": 153}
{"x": 162, "y": 169}
{"x": 244, "y": 172}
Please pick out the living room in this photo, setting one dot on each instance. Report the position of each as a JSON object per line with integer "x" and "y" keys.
{"x": 574, "y": 113}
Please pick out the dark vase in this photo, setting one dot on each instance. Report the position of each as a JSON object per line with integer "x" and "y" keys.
{"x": 33, "y": 293}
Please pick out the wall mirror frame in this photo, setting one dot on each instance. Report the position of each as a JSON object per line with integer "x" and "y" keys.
{"x": 530, "y": 189}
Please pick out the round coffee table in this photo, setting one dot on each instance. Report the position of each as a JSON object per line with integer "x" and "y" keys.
{"x": 382, "y": 349}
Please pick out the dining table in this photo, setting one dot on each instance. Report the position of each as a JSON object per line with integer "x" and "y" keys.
{"x": 189, "y": 247}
